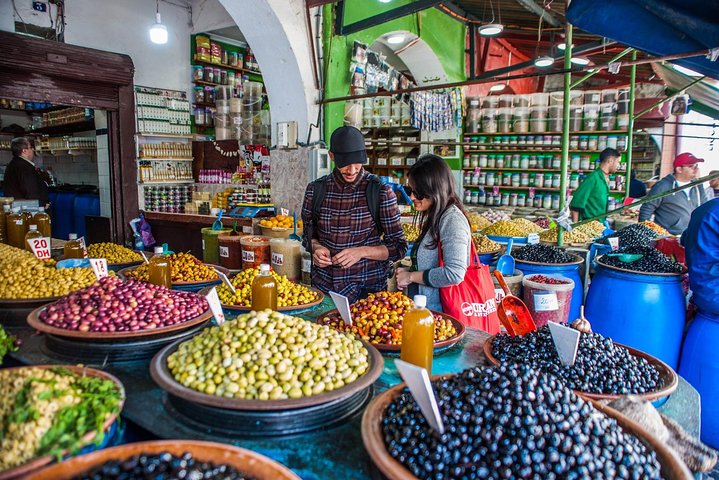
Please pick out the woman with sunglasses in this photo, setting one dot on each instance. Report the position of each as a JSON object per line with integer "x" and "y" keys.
{"x": 444, "y": 225}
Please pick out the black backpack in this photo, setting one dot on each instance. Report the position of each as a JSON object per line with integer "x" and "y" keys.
{"x": 373, "y": 192}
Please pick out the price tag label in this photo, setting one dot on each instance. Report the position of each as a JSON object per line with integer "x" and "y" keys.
{"x": 278, "y": 259}
{"x": 203, "y": 243}
{"x": 84, "y": 247}
{"x": 144, "y": 257}
{"x": 247, "y": 229}
{"x": 99, "y": 266}
{"x": 343, "y": 306}
{"x": 546, "y": 302}
{"x": 284, "y": 212}
{"x": 495, "y": 190}
{"x": 40, "y": 247}
{"x": 614, "y": 243}
{"x": 215, "y": 306}
{"x": 224, "y": 251}
{"x": 226, "y": 281}
{"x": 566, "y": 341}
{"x": 248, "y": 256}
{"x": 498, "y": 295}
{"x": 306, "y": 265}
{"x": 532, "y": 191}
{"x": 533, "y": 238}
{"x": 417, "y": 379}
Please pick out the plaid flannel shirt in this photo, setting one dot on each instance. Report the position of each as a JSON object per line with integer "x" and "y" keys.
{"x": 345, "y": 222}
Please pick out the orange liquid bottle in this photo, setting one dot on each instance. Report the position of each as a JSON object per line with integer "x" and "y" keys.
{"x": 264, "y": 290}
{"x": 160, "y": 269}
{"x": 3, "y": 228}
{"x": 27, "y": 218}
{"x": 42, "y": 220}
{"x": 15, "y": 229}
{"x": 32, "y": 232}
{"x": 418, "y": 335}
{"x": 73, "y": 248}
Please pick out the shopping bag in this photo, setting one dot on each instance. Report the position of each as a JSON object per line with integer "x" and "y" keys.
{"x": 472, "y": 301}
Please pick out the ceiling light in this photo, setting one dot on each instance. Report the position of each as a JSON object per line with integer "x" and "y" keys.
{"x": 544, "y": 61}
{"x": 686, "y": 71}
{"x": 563, "y": 46}
{"x": 384, "y": 1}
{"x": 158, "y": 32}
{"x": 580, "y": 61}
{"x": 395, "y": 39}
{"x": 491, "y": 29}
{"x": 497, "y": 88}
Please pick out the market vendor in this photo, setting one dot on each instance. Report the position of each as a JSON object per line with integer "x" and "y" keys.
{"x": 590, "y": 199}
{"x": 701, "y": 244}
{"x": 352, "y": 228}
{"x": 22, "y": 180}
{"x": 673, "y": 211}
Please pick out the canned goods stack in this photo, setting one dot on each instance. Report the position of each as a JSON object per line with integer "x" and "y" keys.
{"x": 169, "y": 199}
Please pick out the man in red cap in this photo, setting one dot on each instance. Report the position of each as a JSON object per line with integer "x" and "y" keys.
{"x": 673, "y": 211}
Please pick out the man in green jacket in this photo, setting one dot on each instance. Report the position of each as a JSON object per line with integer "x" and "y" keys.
{"x": 590, "y": 199}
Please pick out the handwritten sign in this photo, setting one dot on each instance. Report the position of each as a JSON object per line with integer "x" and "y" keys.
{"x": 614, "y": 243}
{"x": 343, "y": 306}
{"x": 215, "y": 306}
{"x": 224, "y": 251}
{"x": 99, "y": 266}
{"x": 40, "y": 247}
{"x": 284, "y": 212}
{"x": 417, "y": 379}
{"x": 533, "y": 238}
{"x": 248, "y": 256}
{"x": 278, "y": 259}
{"x": 226, "y": 281}
{"x": 546, "y": 302}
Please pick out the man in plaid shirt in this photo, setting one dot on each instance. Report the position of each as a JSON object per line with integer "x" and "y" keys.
{"x": 351, "y": 255}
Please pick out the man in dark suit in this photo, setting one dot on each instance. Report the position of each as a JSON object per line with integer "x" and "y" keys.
{"x": 22, "y": 180}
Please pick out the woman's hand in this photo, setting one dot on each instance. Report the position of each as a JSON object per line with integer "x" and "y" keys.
{"x": 404, "y": 278}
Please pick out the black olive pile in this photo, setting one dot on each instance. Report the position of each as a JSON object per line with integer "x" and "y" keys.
{"x": 162, "y": 466}
{"x": 653, "y": 261}
{"x": 631, "y": 236}
{"x": 512, "y": 422}
{"x": 541, "y": 253}
{"x": 600, "y": 366}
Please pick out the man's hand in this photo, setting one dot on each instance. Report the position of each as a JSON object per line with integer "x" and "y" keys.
{"x": 403, "y": 278}
{"x": 348, "y": 257}
{"x": 321, "y": 256}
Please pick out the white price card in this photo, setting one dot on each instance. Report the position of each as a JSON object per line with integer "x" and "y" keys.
{"x": 343, "y": 306}
{"x": 533, "y": 238}
{"x": 226, "y": 281}
{"x": 214, "y": 300}
{"x": 247, "y": 229}
{"x": 285, "y": 212}
{"x": 614, "y": 243}
{"x": 99, "y": 266}
{"x": 84, "y": 247}
{"x": 248, "y": 256}
{"x": 417, "y": 379}
{"x": 566, "y": 341}
{"x": 498, "y": 295}
{"x": 278, "y": 259}
{"x": 144, "y": 257}
{"x": 40, "y": 247}
{"x": 224, "y": 251}
{"x": 546, "y": 302}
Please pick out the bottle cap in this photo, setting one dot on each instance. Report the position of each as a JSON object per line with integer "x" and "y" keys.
{"x": 264, "y": 268}
{"x": 33, "y": 227}
{"x": 158, "y": 250}
{"x": 420, "y": 301}
{"x": 72, "y": 236}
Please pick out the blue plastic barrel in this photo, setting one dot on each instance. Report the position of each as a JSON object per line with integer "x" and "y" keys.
{"x": 85, "y": 204}
{"x": 569, "y": 270}
{"x": 700, "y": 366}
{"x": 62, "y": 220}
{"x": 52, "y": 198}
{"x": 642, "y": 310}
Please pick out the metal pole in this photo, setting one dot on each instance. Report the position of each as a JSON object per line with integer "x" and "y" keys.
{"x": 565, "y": 129}
{"x": 590, "y": 74}
{"x": 630, "y": 129}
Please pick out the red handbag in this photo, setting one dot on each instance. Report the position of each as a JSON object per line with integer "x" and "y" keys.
{"x": 472, "y": 301}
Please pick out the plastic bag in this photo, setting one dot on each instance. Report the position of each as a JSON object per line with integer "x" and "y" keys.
{"x": 142, "y": 232}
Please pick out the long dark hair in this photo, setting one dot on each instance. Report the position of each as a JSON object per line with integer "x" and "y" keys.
{"x": 432, "y": 178}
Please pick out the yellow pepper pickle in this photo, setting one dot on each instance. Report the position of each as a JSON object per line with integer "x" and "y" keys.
{"x": 264, "y": 290}
{"x": 418, "y": 335}
{"x": 160, "y": 269}
{"x": 73, "y": 248}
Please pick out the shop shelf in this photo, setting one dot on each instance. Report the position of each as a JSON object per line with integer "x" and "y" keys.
{"x": 175, "y": 159}
{"x": 163, "y": 135}
{"x": 578, "y": 132}
{"x": 226, "y": 67}
{"x": 80, "y": 126}
{"x": 167, "y": 182}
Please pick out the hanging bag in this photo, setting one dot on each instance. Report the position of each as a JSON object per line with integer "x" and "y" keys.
{"x": 472, "y": 301}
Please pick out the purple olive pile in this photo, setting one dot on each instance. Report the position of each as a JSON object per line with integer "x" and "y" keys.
{"x": 162, "y": 466}
{"x": 113, "y": 305}
{"x": 601, "y": 366}
{"x": 635, "y": 235}
{"x": 512, "y": 422}
{"x": 541, "y": 253}
{"x": 653, "y": 261}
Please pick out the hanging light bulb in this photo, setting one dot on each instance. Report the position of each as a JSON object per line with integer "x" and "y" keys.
{"x": 158, "y": 32}
{"x": 395, "y": 39}
{"x": 497, "y": 87}
{"x": 580, "y": 61}
{"x": 563, "y": 46}
{"x": 491, "y": 29}
{"x": 543, "y": 61}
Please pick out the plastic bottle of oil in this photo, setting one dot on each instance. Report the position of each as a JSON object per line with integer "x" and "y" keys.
{"x": 15, "y": 228}
{"x": 418, "y": 335}
{"x": 27, "y": 218}
{"x": 32, "y": 232}
{"x": 3, "y": 229}
{"x": 43, "y": 222}
{"x": 160, "y": 269}
{"x": 264, "y": 290}
{"x": 73, "y": 248}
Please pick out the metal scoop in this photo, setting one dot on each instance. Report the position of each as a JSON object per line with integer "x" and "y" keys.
{"x": 512, "y": 312}
{"x": 293, "y": 235}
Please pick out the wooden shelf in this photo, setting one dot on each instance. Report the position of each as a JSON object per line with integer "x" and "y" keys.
{"x": 164, "y": 135}
{"x": 578, "y": 132}
{"x": 204, "y": 104}
{"x": 178, "y": 159}
{"x": 209, "y": 84}
{"x": 228, "y": 67}
{"x": 506, "y": 187}
{"x": 544, "y": 150}
{"x": 167, "y": 182}
{"x": 79, "y": 126}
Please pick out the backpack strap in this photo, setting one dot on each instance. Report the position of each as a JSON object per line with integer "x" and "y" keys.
{"x": 318, "y": 195}
{"x": 374, "y": 189}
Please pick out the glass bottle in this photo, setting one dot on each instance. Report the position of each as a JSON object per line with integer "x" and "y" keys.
{"x": 43, "y": 222}
{"x": 15, "y": 228}
{"x": 73, "y": 248}
{"x": 264, "y": 290}
{"x": 27, "y": 220}
{"x": 32, "y": 232}
{"x": 3, "y": 228}
{"x": 418, "y": 335}
{"x": 160, "y": 269}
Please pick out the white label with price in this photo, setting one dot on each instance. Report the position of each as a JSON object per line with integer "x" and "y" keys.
{"x": 498, "y": 295}
{"x": 546, "y": 302}
{"x": 533, "y": 238}
{"x": 248, "y": 256}
{"x": 284, "y": 212}
{"x": 306, "y": 265}
{"x": 99, "y": 266}
{"x": 214, "y": 300}
{"x": 224, "y": 251}
{"x": 40, "y": 247}
{"x": 247, "y": 229}
{"x": 278, "y": 259}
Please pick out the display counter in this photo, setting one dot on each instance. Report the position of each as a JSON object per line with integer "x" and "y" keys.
{"x": 333, "y": 452}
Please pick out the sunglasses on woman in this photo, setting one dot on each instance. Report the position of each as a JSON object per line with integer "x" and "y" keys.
{"x": 410, "y": 191}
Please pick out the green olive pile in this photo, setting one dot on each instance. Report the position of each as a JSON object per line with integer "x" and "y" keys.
{"x": 289, "y": 294}
{"x": 24, "y": 276}
{"x": 45, "y": 411}
{"x": 268, "y": 356}
{"x": 185, "y": 268}
{"x": 505, "y": 228}
{"x": 483, "y": 244}
{"x": 582, "y": 234}
{"x": 411, "y": 232}
{"x": 113, "y": 253}
{"x": 378, "y": 319}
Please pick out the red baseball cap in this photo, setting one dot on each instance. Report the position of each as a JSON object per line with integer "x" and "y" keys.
{"x": 684, "y": 159}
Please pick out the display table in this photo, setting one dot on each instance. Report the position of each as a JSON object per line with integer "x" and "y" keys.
{"x": 333, "y": 452}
